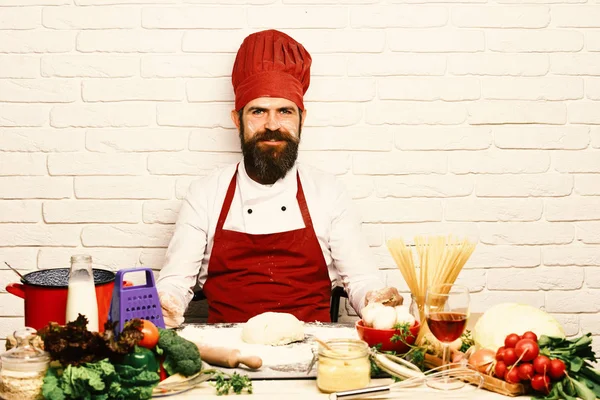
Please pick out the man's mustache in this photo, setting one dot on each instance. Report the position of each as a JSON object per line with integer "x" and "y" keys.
{"x": 268, "y": 134}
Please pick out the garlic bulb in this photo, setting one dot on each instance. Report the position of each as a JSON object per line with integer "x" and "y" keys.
{"x": 385, "y": 318}
{"x": 403, "y": 315}
{"x": 369, "y": 313}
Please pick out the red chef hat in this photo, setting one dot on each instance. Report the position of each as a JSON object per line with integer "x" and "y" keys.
{"x": 270, "y": 64}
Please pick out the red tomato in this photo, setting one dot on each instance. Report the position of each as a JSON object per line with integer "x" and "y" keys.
{"x": 500, "y": 369}
{"x": 541, "y": 383}
{"x": 557, "y": 369}
{"x": 512, "y": 375}
{"x": 526, "y": 371}
{"x": 511, "y": 340}
{"x": 500, "y": 354}
{"x": 151, "y": 335}
{"x": 529, "y": 335}
{"x": 510, "y": 357}
{"x": 541, "y": 364}
{"x": 527, "y": 349}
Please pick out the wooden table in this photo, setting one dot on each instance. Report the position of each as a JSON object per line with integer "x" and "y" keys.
{"x": 306, "y": 389}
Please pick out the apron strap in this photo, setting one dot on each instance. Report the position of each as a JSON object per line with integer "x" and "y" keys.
{"x": 302, "y": 203}
{"x": 227, "y": 202}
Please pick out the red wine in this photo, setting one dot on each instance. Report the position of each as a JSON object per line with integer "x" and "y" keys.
{"x": 447, "y": 326}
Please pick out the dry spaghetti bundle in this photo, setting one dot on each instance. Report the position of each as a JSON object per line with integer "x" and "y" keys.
{"x": 440, "y": 260}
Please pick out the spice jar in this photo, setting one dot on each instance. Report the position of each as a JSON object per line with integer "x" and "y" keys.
{"x": 344, "y": 366}
{"x": 23, "y": 368}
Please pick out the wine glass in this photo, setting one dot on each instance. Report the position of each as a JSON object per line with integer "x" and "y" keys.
{"x": 446, "y": 311}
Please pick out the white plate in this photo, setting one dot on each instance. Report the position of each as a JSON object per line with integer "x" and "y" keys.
{"x": 173, "y": 388}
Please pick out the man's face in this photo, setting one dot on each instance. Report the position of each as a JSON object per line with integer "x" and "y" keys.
{"x": 270, "y": 131}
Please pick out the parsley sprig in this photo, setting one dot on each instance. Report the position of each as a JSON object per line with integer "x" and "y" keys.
{"x": 416, "y": 354}
{"x": 467, "y": 341}
{"x": 226, "y": 383}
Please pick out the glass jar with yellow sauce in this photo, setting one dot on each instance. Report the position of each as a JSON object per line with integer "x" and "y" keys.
{"x": 344, "y": 366}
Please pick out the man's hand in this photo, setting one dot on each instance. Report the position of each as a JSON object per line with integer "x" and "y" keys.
{"x": 172, "y": 310}
{"x": 388, "y": 296}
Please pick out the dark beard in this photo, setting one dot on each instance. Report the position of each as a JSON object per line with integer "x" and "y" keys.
{"x": 269, "y": 165}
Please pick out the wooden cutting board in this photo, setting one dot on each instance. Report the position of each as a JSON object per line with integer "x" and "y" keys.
{"x": 290, "y": 361}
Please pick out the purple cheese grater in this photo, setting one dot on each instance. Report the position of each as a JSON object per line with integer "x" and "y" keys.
{"x": 129, "y": 302}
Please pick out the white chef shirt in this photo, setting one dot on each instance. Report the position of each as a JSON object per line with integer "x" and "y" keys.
{"x": 274, "y": 209}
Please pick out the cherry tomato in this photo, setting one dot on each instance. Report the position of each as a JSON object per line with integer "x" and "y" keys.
{"x": 557, "y": 369}
{"x": 527, "y": 349}
{"x": 529, "y": 335}
{"x": 500, "y": 369}
{"x": 541, "y": 364}
{"x": 512, "y": 375}
{"x": 541, "y": 383}
{"x": 526, "y": 371}
{"x": 151, "y": 335}
{"x": 510, "y": 357}
{"x": 500, "y": 354}
{"x": 511, "y": 340}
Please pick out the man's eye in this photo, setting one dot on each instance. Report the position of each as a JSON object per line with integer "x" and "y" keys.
{"x": 286, "y": 111}
{"x": 257, "y": 112}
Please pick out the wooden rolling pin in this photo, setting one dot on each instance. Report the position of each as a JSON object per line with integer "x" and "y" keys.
{"x": 226, "y": 357}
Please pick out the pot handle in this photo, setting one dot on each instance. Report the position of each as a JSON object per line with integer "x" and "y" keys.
{"x": 17, "y": 289}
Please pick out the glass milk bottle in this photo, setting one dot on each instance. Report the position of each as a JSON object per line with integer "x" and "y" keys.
{"x": 81, "y": 298}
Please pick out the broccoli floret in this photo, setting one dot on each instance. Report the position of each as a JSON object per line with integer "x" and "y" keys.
{"x": 181, "y": 355}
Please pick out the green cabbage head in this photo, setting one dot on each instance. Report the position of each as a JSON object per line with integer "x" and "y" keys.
{"x": 503, "y": 319}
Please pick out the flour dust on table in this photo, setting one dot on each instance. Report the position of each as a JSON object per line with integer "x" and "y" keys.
{"x": 286, "y": 361}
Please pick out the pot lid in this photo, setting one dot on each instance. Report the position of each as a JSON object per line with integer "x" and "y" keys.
{"x": 59, "y": 277}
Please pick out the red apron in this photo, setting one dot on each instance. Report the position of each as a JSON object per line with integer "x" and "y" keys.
{"x": 280, "y": 272}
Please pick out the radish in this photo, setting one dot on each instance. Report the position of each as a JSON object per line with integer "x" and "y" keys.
{"x": 527, "y": 349}
{"x": 530, "y": 335}
{"x": 511, "y": 340}
{"x": 557, "y": 369}
{"x": 500, "y": 353}
{"x": 541, "y": 364}
{"x": 541, "y": 383}
{"x": 500, "y": 369}
{"x": 526, "y": 371}
{"x": 510, "y": 356}
{"x": 512, "y": 376}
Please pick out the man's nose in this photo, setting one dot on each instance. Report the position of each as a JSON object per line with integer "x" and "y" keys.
{"x": 272, "y": 122}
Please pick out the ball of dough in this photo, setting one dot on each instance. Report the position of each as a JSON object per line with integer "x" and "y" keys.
{"x": 273, "y": 329}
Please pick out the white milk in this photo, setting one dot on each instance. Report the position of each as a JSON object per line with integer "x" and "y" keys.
{"x": 81, "y": 299}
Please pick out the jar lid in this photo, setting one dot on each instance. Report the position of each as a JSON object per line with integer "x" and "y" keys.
{"x": 343, "y": 349}
{"x": 25, "y": 356}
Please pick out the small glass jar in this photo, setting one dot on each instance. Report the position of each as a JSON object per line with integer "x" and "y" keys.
{"x": 345, "y": 366}
{"x": 23, "y": 368}
{"x": 417, "y": 306}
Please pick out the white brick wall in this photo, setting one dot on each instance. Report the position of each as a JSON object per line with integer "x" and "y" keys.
{"x": 467, "y": 117}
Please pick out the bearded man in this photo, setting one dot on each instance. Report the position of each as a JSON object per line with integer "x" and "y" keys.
{"x": 268, "y": 233}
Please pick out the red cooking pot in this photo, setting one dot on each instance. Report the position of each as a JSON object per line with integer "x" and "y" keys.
{"x": 45, "y": 293}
